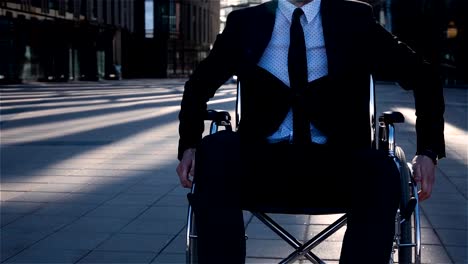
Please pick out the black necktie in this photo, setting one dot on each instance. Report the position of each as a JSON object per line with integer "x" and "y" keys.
{"x": 297, "y": 67}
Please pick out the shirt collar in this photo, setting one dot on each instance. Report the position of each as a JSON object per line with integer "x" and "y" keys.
{"x": 310, "y": 10}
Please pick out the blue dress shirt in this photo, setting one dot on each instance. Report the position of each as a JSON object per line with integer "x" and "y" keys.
{"x": 275, "y": 56}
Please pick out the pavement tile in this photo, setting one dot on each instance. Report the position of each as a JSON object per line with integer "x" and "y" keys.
{"x": 446, "y": 197}
{"x": 152, "y": 243}
{"x": 13, "y": 242}
{"x": 324, "y": 219}
{"x": 57, "y": 187}
{"x": 19, "y": 187}
{"x": 432, "y": 254}
{"x": 88, "y": 224}
{"x": 72, "y": 241}
{"x": 20, "y": 207}
{"x": 150, "y": 189}
{"x": 134, "y": 199}
{"x": 436, "y": 208}
{"x": 161, "y": 180}
{"x": 87, "y": 198}
{"x": 154, "y": 226}
{"x": 268, "y": 248}
{"x": 328, "y": 250}
{"x": 104, "y": 256}
{"x": 461, "y": 183}
{"x": 424, "y": 221}
{"x": 118, "y": 211}
{"x": 32, "y": 223}
{"x": 452, "y": 168}
{"x": 45, "y": 197}
{"x": 315, "y": 229}
{"x": 106, "y": 188}
{"x": 458, "y": 254}
{"x": 180, "y": 191}
{"x": 6, "y": 218}
{"x": 170, "y": 258}
{"x": 449, "y": 221}
{"x": 60, "y": 179}
{"x": 63, "y": 209}
{"x": 177, "y": 245}
{"x": 165, "y": 213}
{"x": 97, "y": 172}
{"x": 38, "y": 172}
{"x": 173, "y": 200}
{"x": 429, "y": 237}
{"x": 124, "y": 180}
{"x": 10, "y": 195}
{"x": 47, "y": 256}
{"x": 453, "y": 237}
{"x": 261, "y": 231}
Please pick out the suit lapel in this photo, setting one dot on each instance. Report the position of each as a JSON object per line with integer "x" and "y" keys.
{"x": 331, "y": 33}
{"x": 259, "y": 33}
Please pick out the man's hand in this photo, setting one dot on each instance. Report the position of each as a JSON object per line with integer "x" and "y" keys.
{"x": 424, "y": 173}
{"x": 186, "y": 168}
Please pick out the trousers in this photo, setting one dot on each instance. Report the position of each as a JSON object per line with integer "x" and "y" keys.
{"x": 231, "y": 176}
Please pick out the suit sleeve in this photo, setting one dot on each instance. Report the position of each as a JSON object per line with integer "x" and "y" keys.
{"x": 210, "y": 74}
{"x": 396, "y": 61}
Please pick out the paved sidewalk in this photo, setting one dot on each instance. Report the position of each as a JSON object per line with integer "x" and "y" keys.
{"x": 88, "y": 176}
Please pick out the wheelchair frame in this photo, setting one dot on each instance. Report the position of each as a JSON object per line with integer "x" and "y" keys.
{"x": 407, "y": 240}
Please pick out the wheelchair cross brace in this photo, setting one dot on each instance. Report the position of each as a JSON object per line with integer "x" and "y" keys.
{"x": 301, "y": 249}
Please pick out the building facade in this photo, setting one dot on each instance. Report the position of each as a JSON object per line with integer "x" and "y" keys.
{"x": 193, "y": 27}
{"x": 61, "y": 40}
{"x": 438, "y": 30}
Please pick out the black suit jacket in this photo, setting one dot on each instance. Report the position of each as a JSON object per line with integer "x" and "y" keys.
{"x": 356, "y": 45}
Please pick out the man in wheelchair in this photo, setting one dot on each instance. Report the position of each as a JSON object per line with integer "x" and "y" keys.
{"x": 304, "y": 139}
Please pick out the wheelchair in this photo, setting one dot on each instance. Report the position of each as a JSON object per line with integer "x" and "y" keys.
{"x": 407, "y": 240}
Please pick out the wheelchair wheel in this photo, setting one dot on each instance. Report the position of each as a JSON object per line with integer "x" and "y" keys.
{"x": 407, "y": 233}
{"x": 191, "y": 247}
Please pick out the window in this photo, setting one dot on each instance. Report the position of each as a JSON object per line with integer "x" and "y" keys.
{"x": 83, "y": 7}
{"x": 36, "y": 3}
{"x": 53, "y": 4}
{"x": 172, "y": 17}
{"x": 70, "y": 5}
{"x": 149, "y": 18}
{"x": 62, "y": 7}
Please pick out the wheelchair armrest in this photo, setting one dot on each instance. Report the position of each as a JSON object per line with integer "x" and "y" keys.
{"x": 218, "y": 116}
{"x": 391, "y": 117}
